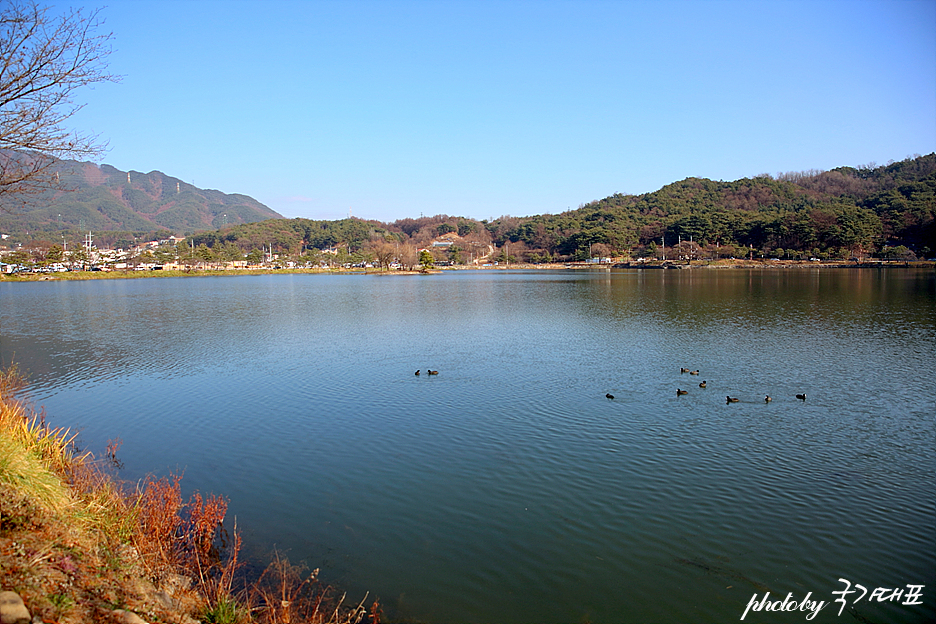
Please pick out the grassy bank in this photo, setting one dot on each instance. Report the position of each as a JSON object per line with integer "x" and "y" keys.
{"x": 77, "y": 545}
{"x": 87, "y": 275}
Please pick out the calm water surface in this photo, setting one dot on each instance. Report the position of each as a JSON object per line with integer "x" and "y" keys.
{"x": 508, "y": 488}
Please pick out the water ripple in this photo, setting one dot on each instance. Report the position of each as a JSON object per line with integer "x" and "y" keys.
{"x": 508, "y": 488}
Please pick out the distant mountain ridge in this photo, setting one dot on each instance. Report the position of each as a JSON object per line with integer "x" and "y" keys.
{"x": 100, "y": 198}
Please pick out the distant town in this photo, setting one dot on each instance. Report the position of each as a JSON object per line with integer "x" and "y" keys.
{"x": 176, "y": 254}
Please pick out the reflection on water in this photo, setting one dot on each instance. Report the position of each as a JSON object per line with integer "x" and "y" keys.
{"x": 508, "y": 488}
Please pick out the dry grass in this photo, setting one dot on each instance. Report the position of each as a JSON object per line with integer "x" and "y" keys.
{"x": 122, "y": 274}
{"x": 76, "y": 543}
{"x": 31, "y": 453}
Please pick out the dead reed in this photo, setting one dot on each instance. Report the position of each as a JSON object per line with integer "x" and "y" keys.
{"x": 286, "y": 593}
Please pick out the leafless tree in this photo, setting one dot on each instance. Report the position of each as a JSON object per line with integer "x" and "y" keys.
{"x": 409, "y": 255}
{"x": 601, "y": 250}
{"x": 45, "y": 57}
{"x": 383, "y": 251}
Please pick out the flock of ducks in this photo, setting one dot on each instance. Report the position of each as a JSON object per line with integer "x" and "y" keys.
{"x": 728, "y": 399}
{"x": 679, "y": 391}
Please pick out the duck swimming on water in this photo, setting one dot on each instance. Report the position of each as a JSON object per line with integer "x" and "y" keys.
{"x": 702, "y": 385}
{"x": 610, "y": 396}
{"x": 767, "y": 399}
{"x": 731, "y": 399}
{"x": 432, "y": 372}
{"x": 801, "y": 397}
{"x": 681, "y": 392}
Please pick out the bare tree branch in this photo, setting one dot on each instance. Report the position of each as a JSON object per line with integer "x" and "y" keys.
{"x": 44, "y": 59}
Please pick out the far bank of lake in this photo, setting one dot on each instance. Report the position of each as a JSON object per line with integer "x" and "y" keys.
{"x": 629, "y": 264}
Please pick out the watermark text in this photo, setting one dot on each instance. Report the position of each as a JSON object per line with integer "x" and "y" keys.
{"x": 909, "y": 595}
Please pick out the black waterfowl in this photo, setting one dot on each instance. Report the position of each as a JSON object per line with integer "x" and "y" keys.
{"x": 801, "y": 396}
{"x": 702, "y": 385}
{"x": 731, "y": 399}
{"x": 681, "y": 392}
{"x": 610, "y": 396}
{"x": 417, "y": 373}
{"x": 767, "y": 399}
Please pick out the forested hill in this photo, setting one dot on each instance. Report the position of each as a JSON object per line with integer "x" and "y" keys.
{"x": 838, "y": 213}
{"x": 295, "y": 235}
{"x": 858, "y": 210}
{"x": 103, "y": 198}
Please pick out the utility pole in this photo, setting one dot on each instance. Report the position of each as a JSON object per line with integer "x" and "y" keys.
{"x": 88, "y": 245}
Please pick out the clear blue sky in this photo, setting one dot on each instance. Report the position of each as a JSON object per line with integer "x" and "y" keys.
{"x": 484, "y": 108}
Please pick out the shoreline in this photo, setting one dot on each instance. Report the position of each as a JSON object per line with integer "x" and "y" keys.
{"x": 115, "y": 551}
{"x": 629, "y": 265}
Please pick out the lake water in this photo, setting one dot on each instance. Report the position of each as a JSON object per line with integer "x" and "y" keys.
{"x": 508, "y": 488}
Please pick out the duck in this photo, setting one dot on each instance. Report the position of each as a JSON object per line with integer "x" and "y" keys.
{"x": 681, "y": 392}
{"x": 702, "y": 385}
{"x": 683, "y": 370}
{"x": 767, "y": 399}
{"x": 609, "y": 396}
{"x": 695, "y": 372}
{"x": 731, "y": 399}
{"x": 432, "y": 372}
{"x": 417, "y": 373}
{"x": 801, "y": 397}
